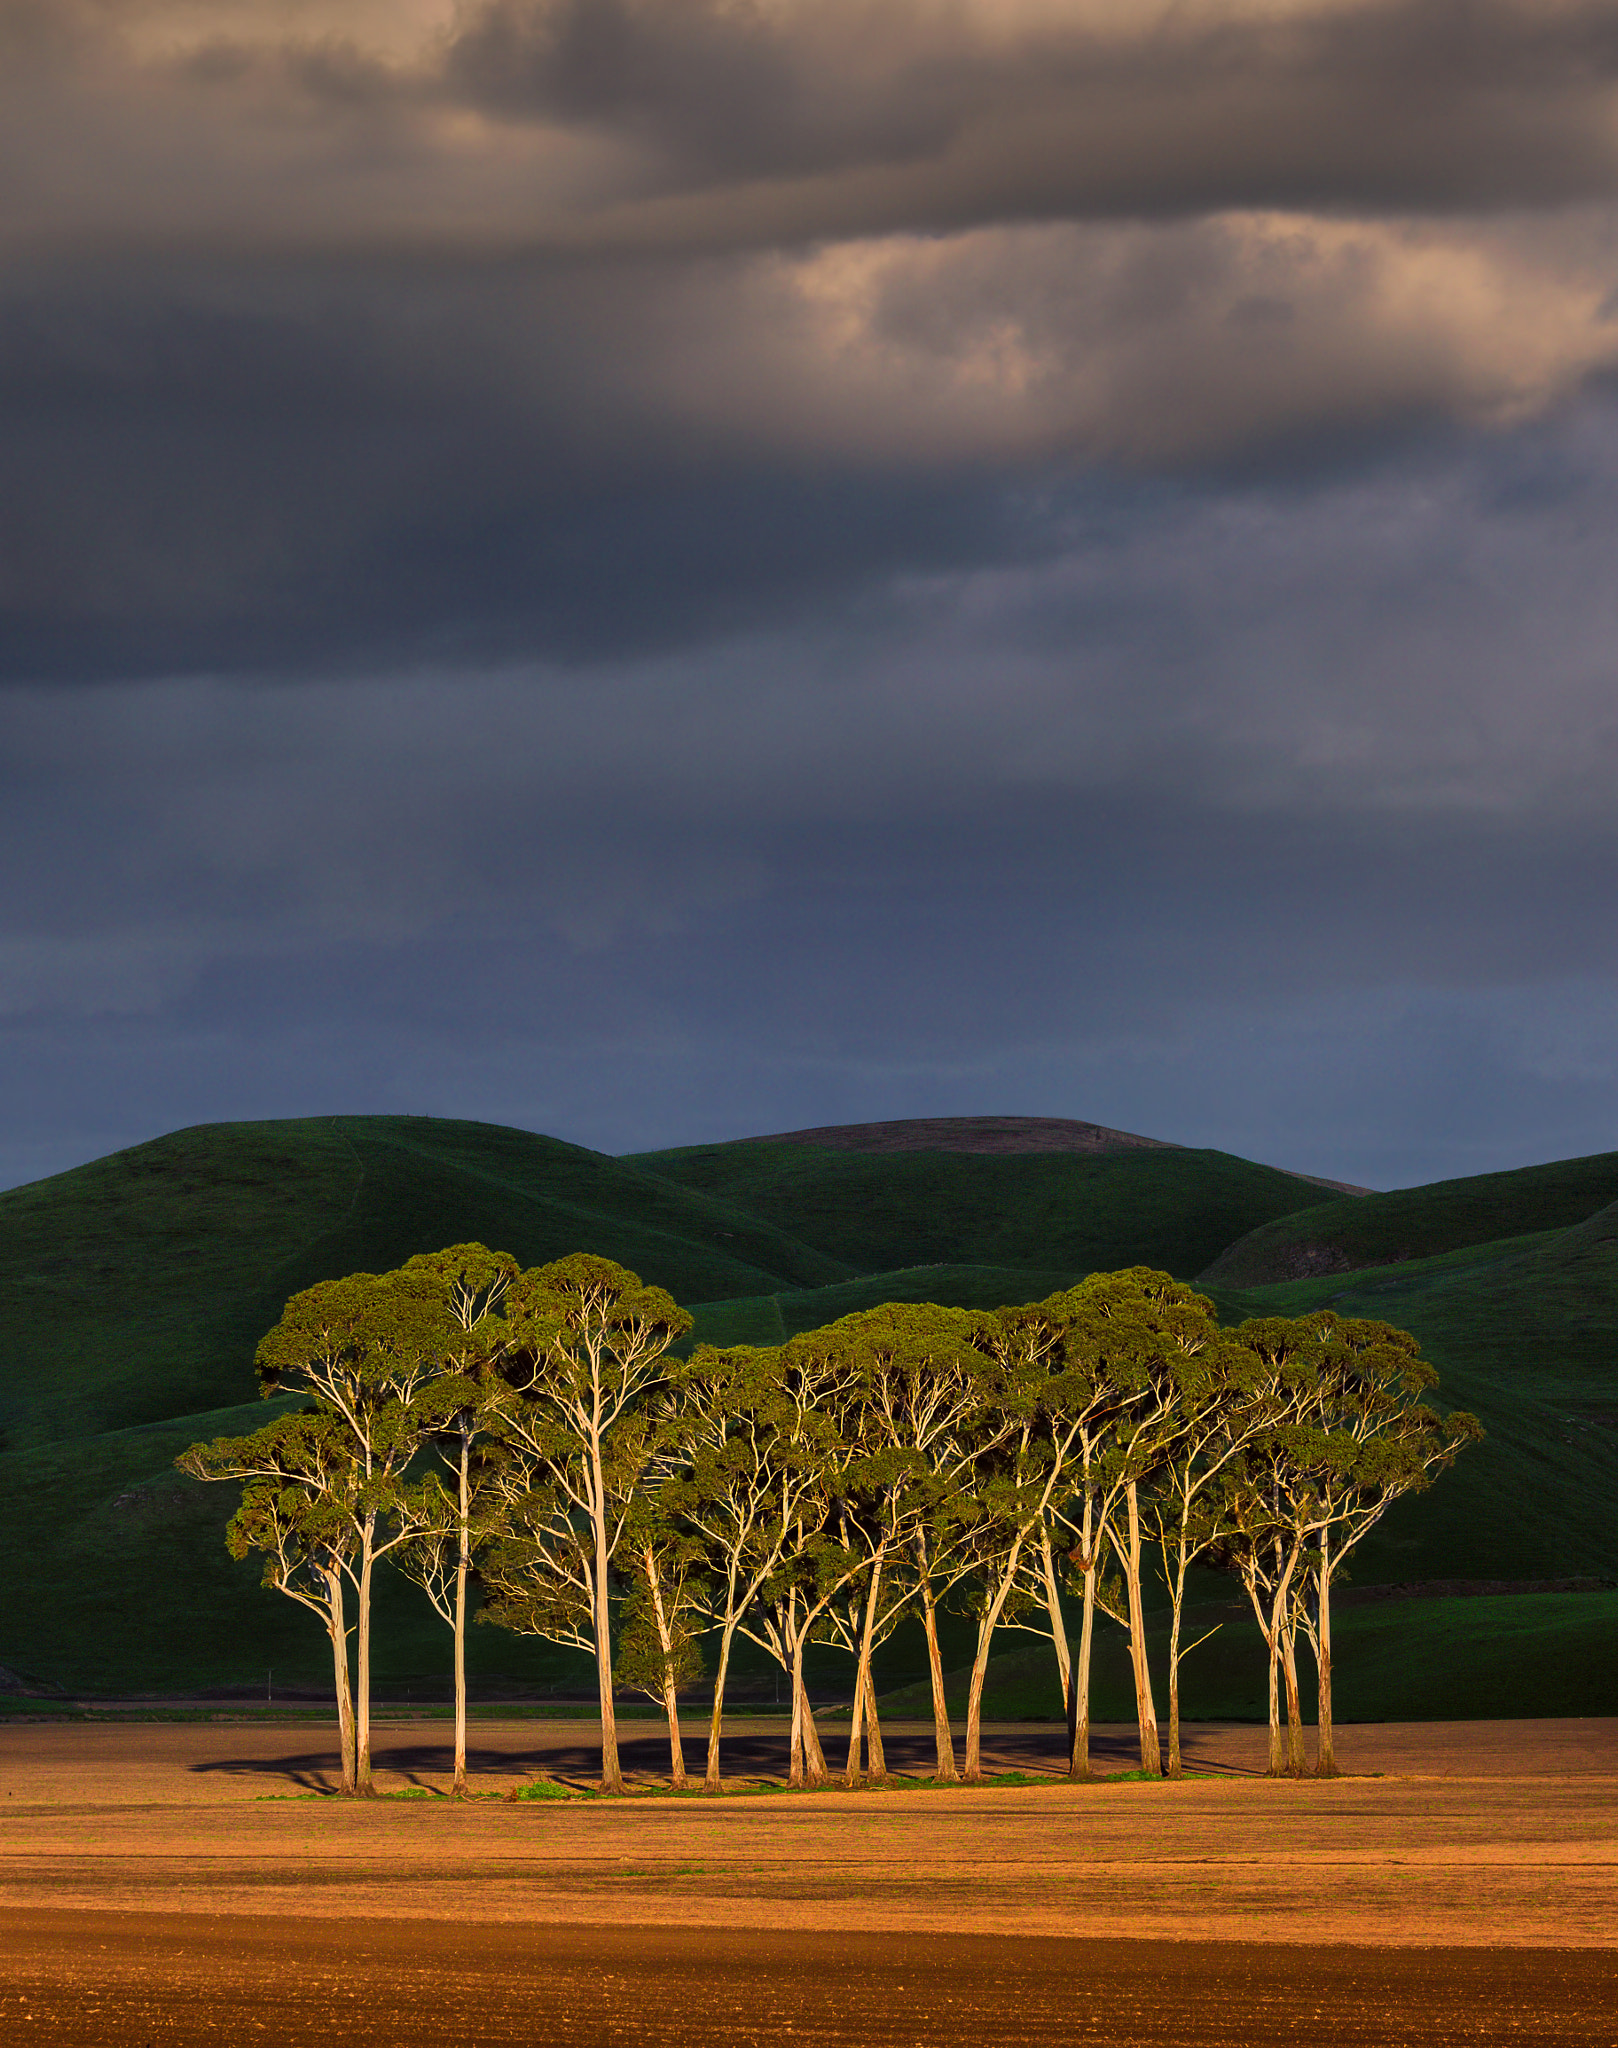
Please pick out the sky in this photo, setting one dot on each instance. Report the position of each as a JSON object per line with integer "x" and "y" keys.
{"x": 660, "y": 570}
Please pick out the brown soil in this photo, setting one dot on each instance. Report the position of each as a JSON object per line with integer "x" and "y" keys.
{"x": 160, "y": 1884}
{"x": 192, "y": 1979}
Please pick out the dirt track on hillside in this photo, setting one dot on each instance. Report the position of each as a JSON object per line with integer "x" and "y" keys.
{"x": 174, "y": 1877}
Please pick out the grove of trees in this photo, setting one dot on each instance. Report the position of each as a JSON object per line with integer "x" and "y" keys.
{"x": 532, "y": 1438}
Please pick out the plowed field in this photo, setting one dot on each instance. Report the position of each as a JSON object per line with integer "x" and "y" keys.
{"x": 193, "y": 1883}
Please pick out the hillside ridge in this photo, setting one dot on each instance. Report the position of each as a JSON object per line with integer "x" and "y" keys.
{"x": 995, "y": 1134}
{"x": 1405, "y": 1224}
{"x": 979, "y": 1136}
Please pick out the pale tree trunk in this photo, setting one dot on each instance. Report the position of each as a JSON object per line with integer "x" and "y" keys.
{"x": 943, "y": 1737}
{"x": 1053, "y": 1607}
{"x": 1151, "y": 1754}
{"x": 1078, "y": 1713}
{"x": 1289, "y": 1666}
{"x": 671, "y": 1710}
{"x": 1325, "y": 1746}
{"x": 463, "y": 1566}
{"x": 856, "y": 1729}
{"x": 671, "y": 1703}
{"x": 875, "y": 1762}
{"x": 973, "y": 1773}
{"x": 814, "y": 1757}
{"x": 612, "y": 1777}
{"x": 1277, "y": 1764}
{"x": 987, "y": 1622}
{"x": 713, "y": 1782}
{"x": 1176, "y": 1768}
{"x": 1270, "y": 1627}
{"x": 864, "y": 1692}
{"x": 362, "y": 1670}
{"x": 795, "y": 1743}
{"x": 809, "y": 1768}
{"x": 337, "y": 1628}
{"x": 1078, "y": 1706}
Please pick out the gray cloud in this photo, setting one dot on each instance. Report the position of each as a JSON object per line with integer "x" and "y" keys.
{"x": 608, "y": 121}
{"x": 927, "y": 116}
{"x": 336, "y": 336}
{"x": 660, "y": 570}
{"x": 1280, "y": 819}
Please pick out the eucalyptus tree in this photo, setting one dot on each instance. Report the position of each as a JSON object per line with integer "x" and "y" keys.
{"x": 1048, "y": 1337}
{"x": 870, "y": 1609}
{"x": 1142, "y": 1329}
{"x": 923, "y": 1420}
{"x": 821, "y": 1381}
{"x": 454, "y": 1410}
{"x": 364, "y": 1348}
{"x": 658, "y": 1651}
{"x": 740, "y": 1460}
{"x": 815, "y": 1570}
{"x": 584, "y": 1344}
{"x": 1269, "y": 1508}
{"x": 1023, "y": 1479}
{"x": 1227, "y": 1395}
{"x": 299, "y": 1478}
{"x": 1105, "y": 1361}
{"x": 1367, "y": 1392}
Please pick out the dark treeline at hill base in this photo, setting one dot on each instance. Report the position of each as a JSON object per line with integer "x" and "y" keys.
{"x": 532, "y": 1436}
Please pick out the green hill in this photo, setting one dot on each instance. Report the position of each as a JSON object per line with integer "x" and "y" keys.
{"x": 1524, "y": 1332}
{"x": 772, "y": 1318}
{"x": 133, "y": 1291}
{"x": 1073, "y": 1212}
{"x": 137, "y": 1287}
{"x": 1416, "y": 1223}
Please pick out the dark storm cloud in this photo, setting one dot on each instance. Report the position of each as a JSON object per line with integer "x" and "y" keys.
{"x": 1271, "y": 747}
{"x": 213, "y": 467}
{"x": 335, "y": 336}
{"x": 662, "y": 570}
{"x": 741, "y": 124}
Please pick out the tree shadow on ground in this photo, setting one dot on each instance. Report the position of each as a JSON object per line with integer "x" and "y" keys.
{"x": 423, "y": 1759}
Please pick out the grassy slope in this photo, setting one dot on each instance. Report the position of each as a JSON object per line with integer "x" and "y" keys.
{"x": 1445, "y": 1659}
{"x": 120, "y": 1581}
{"x": 1071, "y": 1212}
{"x": 1415, "y": 1223}
{"x": 132, "y": 1293}
{"x": 137, "y": 1287}
{"x": 1524, "y": 1333}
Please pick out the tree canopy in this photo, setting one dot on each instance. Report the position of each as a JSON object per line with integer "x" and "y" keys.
{"x": 531, "y": 1440}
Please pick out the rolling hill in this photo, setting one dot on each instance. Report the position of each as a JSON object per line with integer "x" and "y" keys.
{"x": 1076, "y": 1211}
{"x": 1417, "y": 1223}
{"x": 133, "y": 1291}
